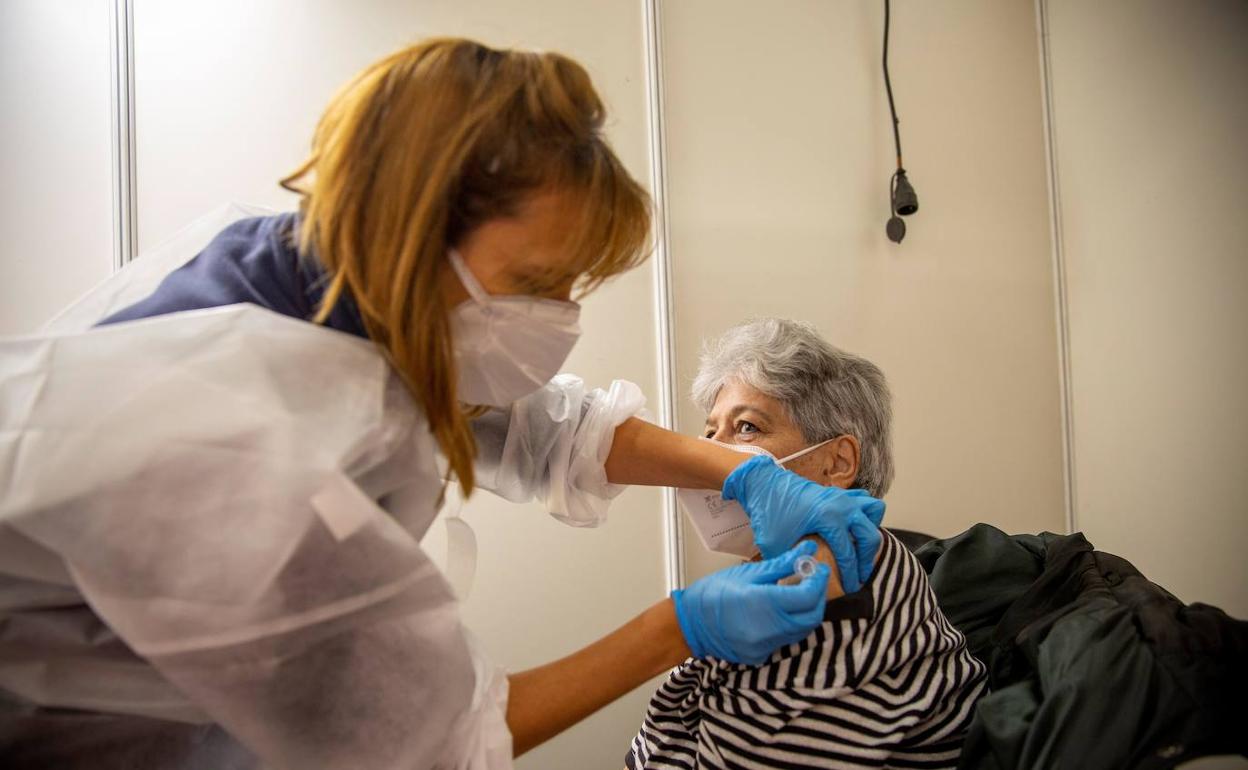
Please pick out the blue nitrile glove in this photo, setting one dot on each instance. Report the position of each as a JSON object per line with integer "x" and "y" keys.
{"x": 739, "y": 614}
{"x": 784, "y": 507}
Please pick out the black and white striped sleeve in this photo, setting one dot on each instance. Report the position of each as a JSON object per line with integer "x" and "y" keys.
{"x": 884, "y": 681}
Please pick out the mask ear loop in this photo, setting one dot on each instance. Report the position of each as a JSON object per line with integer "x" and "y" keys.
{"x": 805, "y": 451}
{"x": 479, "y": 295}
{"x": 470, "y": 282}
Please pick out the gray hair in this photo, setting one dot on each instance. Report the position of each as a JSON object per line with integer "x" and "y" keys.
{"x": 826, "y": 391}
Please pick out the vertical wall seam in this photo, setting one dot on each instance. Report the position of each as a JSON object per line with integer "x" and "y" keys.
{"x": 121, "y": 87}
{"x": 673, "y": 535}
{"x": 1060, "y": 290}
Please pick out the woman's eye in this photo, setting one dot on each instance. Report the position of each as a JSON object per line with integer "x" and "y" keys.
{"x": 746, "y": 428}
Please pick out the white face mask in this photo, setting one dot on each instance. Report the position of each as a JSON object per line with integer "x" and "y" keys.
{"x": 506, "y": 347}
{"x": 723, "y": 525}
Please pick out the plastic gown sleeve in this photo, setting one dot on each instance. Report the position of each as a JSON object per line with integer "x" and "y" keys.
{"x": 210, "y": 511}
{"x": 553, "y": 444}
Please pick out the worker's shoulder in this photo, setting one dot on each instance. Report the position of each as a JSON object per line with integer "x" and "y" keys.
{"x": 258, "y": 240}
{"x": 285, "y": 224}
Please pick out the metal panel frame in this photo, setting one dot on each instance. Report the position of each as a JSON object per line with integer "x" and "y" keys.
{"x": 121, "y": 70}
{"x": 673, "y": 533}
{"x": 1060, "y": 290}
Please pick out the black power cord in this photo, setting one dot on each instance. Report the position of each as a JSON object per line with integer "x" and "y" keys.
{"x": 902, "y": 199}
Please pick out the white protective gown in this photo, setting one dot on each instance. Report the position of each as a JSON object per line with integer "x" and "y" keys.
{"x": 211, "y": 519}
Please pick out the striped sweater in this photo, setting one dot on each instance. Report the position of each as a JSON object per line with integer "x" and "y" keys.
{"x": 884, "y": 681}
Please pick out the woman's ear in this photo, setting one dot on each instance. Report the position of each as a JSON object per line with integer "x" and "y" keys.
{"x": 840, "y": 460}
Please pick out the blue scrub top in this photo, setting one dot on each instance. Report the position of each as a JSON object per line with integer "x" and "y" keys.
{"x": 253, "y": 260}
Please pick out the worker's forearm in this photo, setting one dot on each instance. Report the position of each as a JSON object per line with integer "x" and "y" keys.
{"x": 547, "y": 700}
{"x": 643, "y": 453}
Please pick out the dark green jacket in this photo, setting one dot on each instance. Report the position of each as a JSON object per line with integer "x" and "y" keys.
{"x": 1090, "y": 664}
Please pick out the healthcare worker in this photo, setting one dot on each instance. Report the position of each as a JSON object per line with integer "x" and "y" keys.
{"x": 213, "y": 501}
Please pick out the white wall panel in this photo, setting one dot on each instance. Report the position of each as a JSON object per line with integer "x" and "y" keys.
{"x": 1149, "y": 115}
{"x": 55, "y": 161}
{"x": 780, "y": 151}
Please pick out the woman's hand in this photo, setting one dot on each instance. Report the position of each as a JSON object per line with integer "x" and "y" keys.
{"x": 784, "y": 507}
{"x": 739, "y": 614}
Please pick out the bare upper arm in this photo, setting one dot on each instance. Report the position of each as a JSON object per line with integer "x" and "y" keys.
{"x": 835, "y": 588}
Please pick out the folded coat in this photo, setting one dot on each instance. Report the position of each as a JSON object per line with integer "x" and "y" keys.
{"x": 1090, "y": 664}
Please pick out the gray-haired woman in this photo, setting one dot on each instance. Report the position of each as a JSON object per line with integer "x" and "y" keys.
{"x": 885, "y": 679}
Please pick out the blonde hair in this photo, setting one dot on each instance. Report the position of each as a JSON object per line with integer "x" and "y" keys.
{"x": 421, "y": 148}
